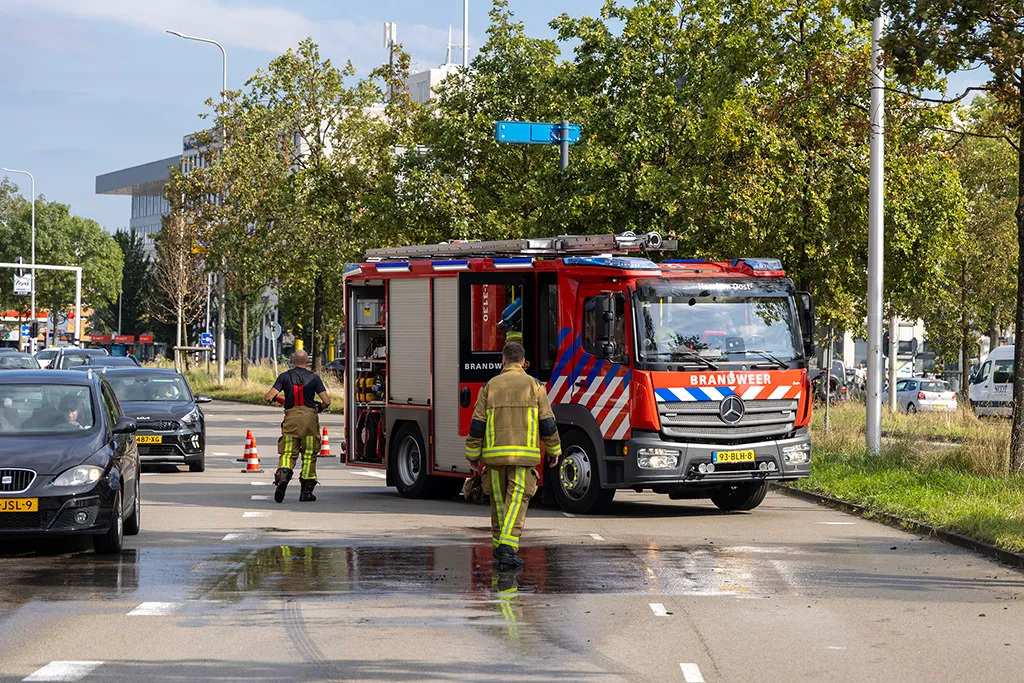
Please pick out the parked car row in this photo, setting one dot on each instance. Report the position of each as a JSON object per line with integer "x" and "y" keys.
{"x": 72, "y": 444}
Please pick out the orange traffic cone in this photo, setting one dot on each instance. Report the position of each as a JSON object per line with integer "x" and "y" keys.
{"x": 248, "y": 447}
{"x": 252, "y": 464}
{"x": 325, "y": 445}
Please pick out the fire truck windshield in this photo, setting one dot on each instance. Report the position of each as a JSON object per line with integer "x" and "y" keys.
{"x": 710, "y": 324}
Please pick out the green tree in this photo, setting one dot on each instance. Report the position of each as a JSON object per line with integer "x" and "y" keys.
{"x": 131, "y": 307}
{"x": 945, "y": 36}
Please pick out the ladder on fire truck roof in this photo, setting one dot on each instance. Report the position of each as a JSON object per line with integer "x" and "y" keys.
{"x": 545, "y": 246}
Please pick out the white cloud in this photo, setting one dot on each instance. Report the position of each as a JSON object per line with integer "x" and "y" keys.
{"x": 269, "y": 29}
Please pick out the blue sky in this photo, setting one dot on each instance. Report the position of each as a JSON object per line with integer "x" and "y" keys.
{"x": 92, "y": 86}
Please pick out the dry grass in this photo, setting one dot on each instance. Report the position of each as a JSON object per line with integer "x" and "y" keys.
{"x": 261, "y": 377}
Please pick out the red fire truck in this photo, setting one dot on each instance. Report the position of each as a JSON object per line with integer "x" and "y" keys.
{"x": 688, "y": 378}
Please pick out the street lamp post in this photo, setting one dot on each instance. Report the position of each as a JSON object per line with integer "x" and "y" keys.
{"x": 32, "y": 181}
{"x": 221, "y": 288}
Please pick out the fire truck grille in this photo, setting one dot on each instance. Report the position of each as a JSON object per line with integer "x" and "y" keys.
{"x": 699, "y": 421}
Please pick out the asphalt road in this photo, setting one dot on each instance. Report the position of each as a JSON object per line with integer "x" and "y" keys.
{"x": 224, "y": 584}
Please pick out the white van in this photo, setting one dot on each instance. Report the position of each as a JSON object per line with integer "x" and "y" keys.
{"x": 991, "y": 390}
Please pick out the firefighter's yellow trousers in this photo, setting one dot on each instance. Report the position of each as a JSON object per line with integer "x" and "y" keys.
{"x": 510, "y": 489}
{"x": 300, "y": 437}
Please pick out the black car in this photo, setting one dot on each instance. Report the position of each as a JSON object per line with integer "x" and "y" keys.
{"x": 171, "y": 425}
{"x": 68, "y": 460}
{"x": 72, "y": 356}
{"x": 18, "y": 361}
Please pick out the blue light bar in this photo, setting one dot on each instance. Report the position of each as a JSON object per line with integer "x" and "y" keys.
{"x": 620, "y": 262}
{"x": 393, "y": 267}
{"x": 514, "y": 262}
{"x": 450, "y": 265}
{"x": 352, "y": 269}
{"x": 760, "y": 263}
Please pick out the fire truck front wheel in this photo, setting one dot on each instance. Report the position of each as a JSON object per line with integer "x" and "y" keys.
{"x": 576, "y": 482}
{"x": 409, "y": 462}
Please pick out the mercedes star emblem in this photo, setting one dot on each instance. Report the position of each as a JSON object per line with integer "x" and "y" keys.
{"x": 731, "y": 409}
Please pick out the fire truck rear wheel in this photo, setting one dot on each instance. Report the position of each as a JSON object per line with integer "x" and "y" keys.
{"x": 576, "y": 482}
{"x": 740, "y": 497}
{"x": 409, "y": 462}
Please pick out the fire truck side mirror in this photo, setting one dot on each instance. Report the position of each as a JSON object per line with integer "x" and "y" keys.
{"x": 806, "y": 309}
{"x": 605, "y": 331}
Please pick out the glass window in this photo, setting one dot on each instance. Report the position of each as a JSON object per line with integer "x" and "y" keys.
{"x": 45, "y": 409}
{"x": 901, "y": 385}
{"x": 497, "y": 316}
{"x": 110, "y": 403}
{"x": 1003, "y": 372}
{"x": 551, "y": 303}
{"x": 984, "y": 372}
{"x": 911, "y": 386}
{"x": 935, "y": 387}
{"x": 590, "y": 341}
{"x": 150, "y": 388}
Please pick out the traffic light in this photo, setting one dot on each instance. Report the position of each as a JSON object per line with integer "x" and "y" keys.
{"x": 885, "y": 345}
{"x": 34, "y": 330}
{"x": 20, "y": 272}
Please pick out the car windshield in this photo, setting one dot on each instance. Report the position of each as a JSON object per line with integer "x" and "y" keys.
{"x": 936, "y": 386}
{"x": 12, "y": 362}
{"x": 711, "y": 323}
{"x": 48, "y": 354}
{"x": 134, "y": 388}
{"x": 44, "y": 409}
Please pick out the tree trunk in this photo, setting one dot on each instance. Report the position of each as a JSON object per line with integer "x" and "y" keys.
{"x": 993, "y": 331}
{"x": 222, "y": 316}
{"x": 965, "y": 363}
{"x": 1017, "y": 424}
{"x": 177, "y": 336}
{"x": 244, "y": 351}
{"x": 319, "y": 303}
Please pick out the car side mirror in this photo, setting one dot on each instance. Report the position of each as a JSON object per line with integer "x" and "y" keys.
{"x": 806, "y": 311}
{"x": 204, "y": 398}
{"x": 125, "y": 425}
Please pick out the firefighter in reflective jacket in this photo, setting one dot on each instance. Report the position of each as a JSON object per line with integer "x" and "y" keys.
{"x": 511, "y": 417}
{"x": 300, "y": 430}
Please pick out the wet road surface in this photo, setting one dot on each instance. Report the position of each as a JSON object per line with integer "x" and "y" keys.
{"x": 223, "y": 584}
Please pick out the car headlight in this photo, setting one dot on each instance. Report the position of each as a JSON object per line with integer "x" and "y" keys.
{"x": 192, "y": 418}
{"x": 657, "y": 458}
{"x": 79, "y": 476}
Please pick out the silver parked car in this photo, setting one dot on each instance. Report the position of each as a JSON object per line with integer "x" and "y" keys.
{"x": 924, "y": 395}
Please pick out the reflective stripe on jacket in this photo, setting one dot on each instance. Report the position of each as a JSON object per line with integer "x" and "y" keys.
{"x": 512, "y": 416}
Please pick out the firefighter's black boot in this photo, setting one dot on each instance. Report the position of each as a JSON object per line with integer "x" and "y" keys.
{"x": 507, "y": 558}
{"x": 307, "y": 490}
{"x": 281, "y": 479}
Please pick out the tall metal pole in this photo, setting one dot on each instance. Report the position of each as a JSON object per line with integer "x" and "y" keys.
{"x": 876, "y": 210}
{"x": 78, "y": 305}
{"x": 465, "y": 34}
{"x": 32, "y": 183}
{"x": 563, "y": 146}
{"x": 221, "y": 291}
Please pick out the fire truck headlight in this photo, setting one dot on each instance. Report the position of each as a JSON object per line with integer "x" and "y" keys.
{"x": 657, "y": 458}
{"x": 797, "y": 454}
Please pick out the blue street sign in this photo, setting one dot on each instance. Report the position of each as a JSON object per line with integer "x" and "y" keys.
{"x": 26, "y": 330}
{"x": 206, "y": 339}
{"x": 528, "y": 133}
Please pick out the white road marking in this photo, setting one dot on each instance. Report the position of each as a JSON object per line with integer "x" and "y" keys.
{"x": 691, "y": 673}
{"x": 64, "y": 671}
{"x": 837, "y": 523}
{"x": 255, "y": 514}
{"x": 597, "y": 537}
{"x": 568, "y": 514}
{"x": 239, "y": 419}
{"x": 261, "y": 483}
{"x": 155, "y": 609}
{"x": 658, "y": 609}
{"x": 238, "y": 537}
{"x": 259, "y": 497}
{"x": 835, "y": 647}
{"x": 371, "y": 473}
{"x": 220, "y": 453}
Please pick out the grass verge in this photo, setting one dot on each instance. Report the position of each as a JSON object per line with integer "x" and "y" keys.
{"x": 251, "y": 390}
{"x": 959, "y": 487}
